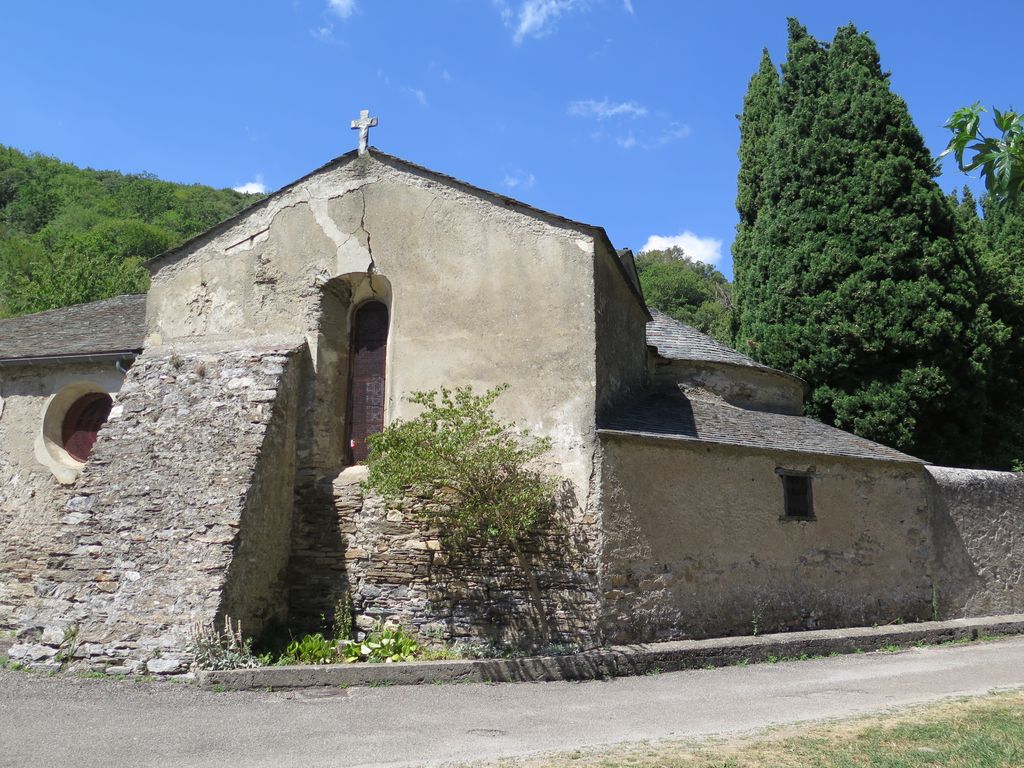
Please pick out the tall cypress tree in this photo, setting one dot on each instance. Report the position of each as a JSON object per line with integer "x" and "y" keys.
{"x": 998, "y": 240}
{"x": 864, "y": 289}
{"x": 760, "y": 108}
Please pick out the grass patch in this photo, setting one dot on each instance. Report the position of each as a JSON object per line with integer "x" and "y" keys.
{"x": 984, "y": 732}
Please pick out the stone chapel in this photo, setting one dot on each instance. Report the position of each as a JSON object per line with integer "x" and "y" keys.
{"x": 195, "y": 453}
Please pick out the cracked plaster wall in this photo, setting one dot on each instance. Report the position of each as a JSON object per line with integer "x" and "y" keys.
{"x": 694, "y": 545}
{"x": 481, "y": 294}
{"x": 621, "y": 324}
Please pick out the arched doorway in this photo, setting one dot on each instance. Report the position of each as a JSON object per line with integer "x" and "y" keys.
{"x": 366, "y": 389}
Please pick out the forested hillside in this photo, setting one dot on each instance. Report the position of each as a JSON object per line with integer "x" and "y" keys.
{"x": 900, "y": 307}
{"x": 70, "y": 235}
{"x": 690, "y": 291}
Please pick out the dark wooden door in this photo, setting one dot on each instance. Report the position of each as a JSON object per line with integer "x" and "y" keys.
{"x": 366, "y": 392}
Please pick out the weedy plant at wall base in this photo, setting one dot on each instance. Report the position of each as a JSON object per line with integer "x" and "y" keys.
{"x": 222, "y": 649}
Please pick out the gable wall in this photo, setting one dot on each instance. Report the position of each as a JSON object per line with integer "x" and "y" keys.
{"x": 481, "y": 295}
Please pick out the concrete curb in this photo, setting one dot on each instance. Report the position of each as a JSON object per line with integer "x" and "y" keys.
{"x": 617, "y": 661}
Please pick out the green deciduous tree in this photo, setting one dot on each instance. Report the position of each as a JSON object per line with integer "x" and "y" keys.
{"x": 474, "y": 470}
{"x": 849, "y": 270}
{"x": 690, "y": 291}
{"x": 1000, "y": 159}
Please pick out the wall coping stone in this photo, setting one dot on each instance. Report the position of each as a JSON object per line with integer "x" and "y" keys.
{"x": 617, "y": 661}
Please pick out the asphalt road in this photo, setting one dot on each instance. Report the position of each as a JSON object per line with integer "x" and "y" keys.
{"x": 55, "y": 722}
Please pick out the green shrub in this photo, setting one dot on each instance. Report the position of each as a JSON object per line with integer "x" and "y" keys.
{"x": 383, "y": 644}
{"x": 312, "y": 649}
{"x": 476, "y": 470}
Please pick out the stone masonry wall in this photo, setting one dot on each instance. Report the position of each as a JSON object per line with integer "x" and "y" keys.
{"x": 28, "y": 526}
{"x": 168, "y": 524}
{"x": 395, "y": 568}
{"x": 29, "y": 513}
{"x": 978, "y": 523}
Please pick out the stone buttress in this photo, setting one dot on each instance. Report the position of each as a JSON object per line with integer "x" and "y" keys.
{"x": 182, "y": 515}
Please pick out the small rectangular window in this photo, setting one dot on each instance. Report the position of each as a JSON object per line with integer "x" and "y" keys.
{"x": 797, "y": 497}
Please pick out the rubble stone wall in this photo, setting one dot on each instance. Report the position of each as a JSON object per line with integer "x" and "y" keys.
{"x": 396, "y": 568}
{"x": 978, "y": 524}
{"x": 30, "y": 506}
{"x": 29, "y": 522}
{"x": 177, "y": 516}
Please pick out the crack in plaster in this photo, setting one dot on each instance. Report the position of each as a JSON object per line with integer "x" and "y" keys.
{"x": 362, "y": 225}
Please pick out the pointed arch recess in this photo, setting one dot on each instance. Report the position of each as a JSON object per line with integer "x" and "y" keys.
{"x": 367, "y": 388}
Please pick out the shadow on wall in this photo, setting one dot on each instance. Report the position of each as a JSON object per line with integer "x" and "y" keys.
{"x": 317, "y": 567}
{"x": 481, "y": 592}
{"x": 395, "y": 567}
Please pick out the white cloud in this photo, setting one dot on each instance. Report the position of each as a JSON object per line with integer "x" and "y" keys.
{"x": 342, "y": 8}
{"x": 256, "y": 187}
{"x": 604, "y": 109}
{"x": 419, "y": 95}
{"x": 505, "y": 11}
{"x": 537, "y": 17}
{"x": 324, "y": 34}
{"x": 674, "y": 132}
{"x": 706, "y": 249}
{"x": 519, "y": 180}
{"x": 626, "y": 142}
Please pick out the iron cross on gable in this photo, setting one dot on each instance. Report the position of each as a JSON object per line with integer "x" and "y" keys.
{"x": 364, "y": 124}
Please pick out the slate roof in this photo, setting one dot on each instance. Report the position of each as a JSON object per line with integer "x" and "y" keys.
{"x": 679, "y": 341}
{"x": 705, "y": 418}
{"x": 111, "y": 325}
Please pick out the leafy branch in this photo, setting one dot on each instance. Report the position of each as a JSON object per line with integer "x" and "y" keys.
{"x": 1001, "y": 159}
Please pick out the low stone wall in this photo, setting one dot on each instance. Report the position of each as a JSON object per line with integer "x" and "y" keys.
{"x": 978, "y": 523}
{"x": 396, "y": 568}
{"x": 180, "y": 516}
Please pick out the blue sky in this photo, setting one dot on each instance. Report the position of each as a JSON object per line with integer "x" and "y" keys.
{"x": 619, "y": 113}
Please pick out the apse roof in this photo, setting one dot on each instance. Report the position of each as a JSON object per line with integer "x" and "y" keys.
{"x": 109, "y": 326}
{"x": 701, "y": 417}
